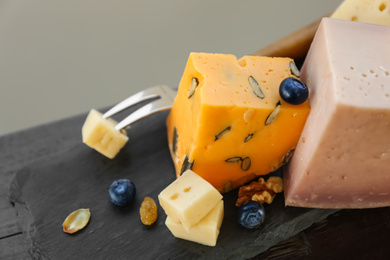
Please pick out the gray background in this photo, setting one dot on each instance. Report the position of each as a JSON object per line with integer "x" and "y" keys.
{"x": 62, "y": 58}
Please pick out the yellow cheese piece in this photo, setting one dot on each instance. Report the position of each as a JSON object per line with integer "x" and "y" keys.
{"x": 205, "y": 232}
{"x": 366, "y": 11}
{"x": 189, "y": 199}
{"x": 101, "y": 135}
{"x": 217, "y": 125}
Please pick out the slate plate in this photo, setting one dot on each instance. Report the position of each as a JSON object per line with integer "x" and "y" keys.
{"x": 47, "y": 190}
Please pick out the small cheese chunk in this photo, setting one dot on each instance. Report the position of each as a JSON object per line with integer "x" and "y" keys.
{"x": 228, "y": 122}
{"x": 101, "y": 135}
{"x": 366, "y": 11}
{"x": 205, "y": 232}
{"x": 189, "y": 199}
{"x": 342, "y": 159}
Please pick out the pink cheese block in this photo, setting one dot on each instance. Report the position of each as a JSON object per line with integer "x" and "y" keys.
{"x": 342, "y": 159}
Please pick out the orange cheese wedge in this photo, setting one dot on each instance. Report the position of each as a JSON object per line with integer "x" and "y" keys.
{"x": 228, "y": 122}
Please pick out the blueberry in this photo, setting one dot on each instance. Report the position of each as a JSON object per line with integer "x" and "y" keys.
{"x": 293, "y": 91}
{"x": 122, "y": 192}
{"x": 251, "y": 214}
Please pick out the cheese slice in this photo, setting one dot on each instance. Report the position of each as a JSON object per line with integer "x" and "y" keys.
{"x": 205, "y": 232}
{"x": 342, "y": 159}
{"x": 220, "y": 124}
{"x": 101, "y": 135}
{"x": 366, "y": 11}
{"x": 189, "y": 199}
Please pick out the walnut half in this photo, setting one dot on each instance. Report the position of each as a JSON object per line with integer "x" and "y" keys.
{"x": 260, "y": 191}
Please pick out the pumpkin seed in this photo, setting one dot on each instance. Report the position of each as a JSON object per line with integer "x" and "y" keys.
{"x": 194, "y": 84}
{"x": 248, "y": 138}
{"x": 246, "y": 164}
{"x": 273, "y": 115}
{"x": 174, "y": 141}
{"x": 222, "y": 133}
{"x": 288, "y": 156}
{"x": 294, "y": 69}
{"x": 256, "y": 87}
{"x": 227, "y": 187}
{"x": 187, "y": 165}
{"x": 76, "y": 221}
{"x": 233, "y": 159}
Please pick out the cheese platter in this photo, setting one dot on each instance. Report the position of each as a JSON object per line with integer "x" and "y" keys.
{"x": 47, "y": 188}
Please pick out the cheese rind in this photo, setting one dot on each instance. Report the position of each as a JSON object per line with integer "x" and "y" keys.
{"x": 366, "y": 11}
{"x": 218, "y": 129}
{"x": 205, "y": 232}
{"x": 189, "y": 199}
{"x": 101, "y": 135}
{"x": 342, "y": 159}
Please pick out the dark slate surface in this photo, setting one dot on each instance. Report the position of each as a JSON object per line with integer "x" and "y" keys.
{"x": 75, "y": 176}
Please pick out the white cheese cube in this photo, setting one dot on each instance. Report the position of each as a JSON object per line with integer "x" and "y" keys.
{"x": 205, "y": 232}
{"x": 101, "y": 135}
{"x": 189, "y": 199}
